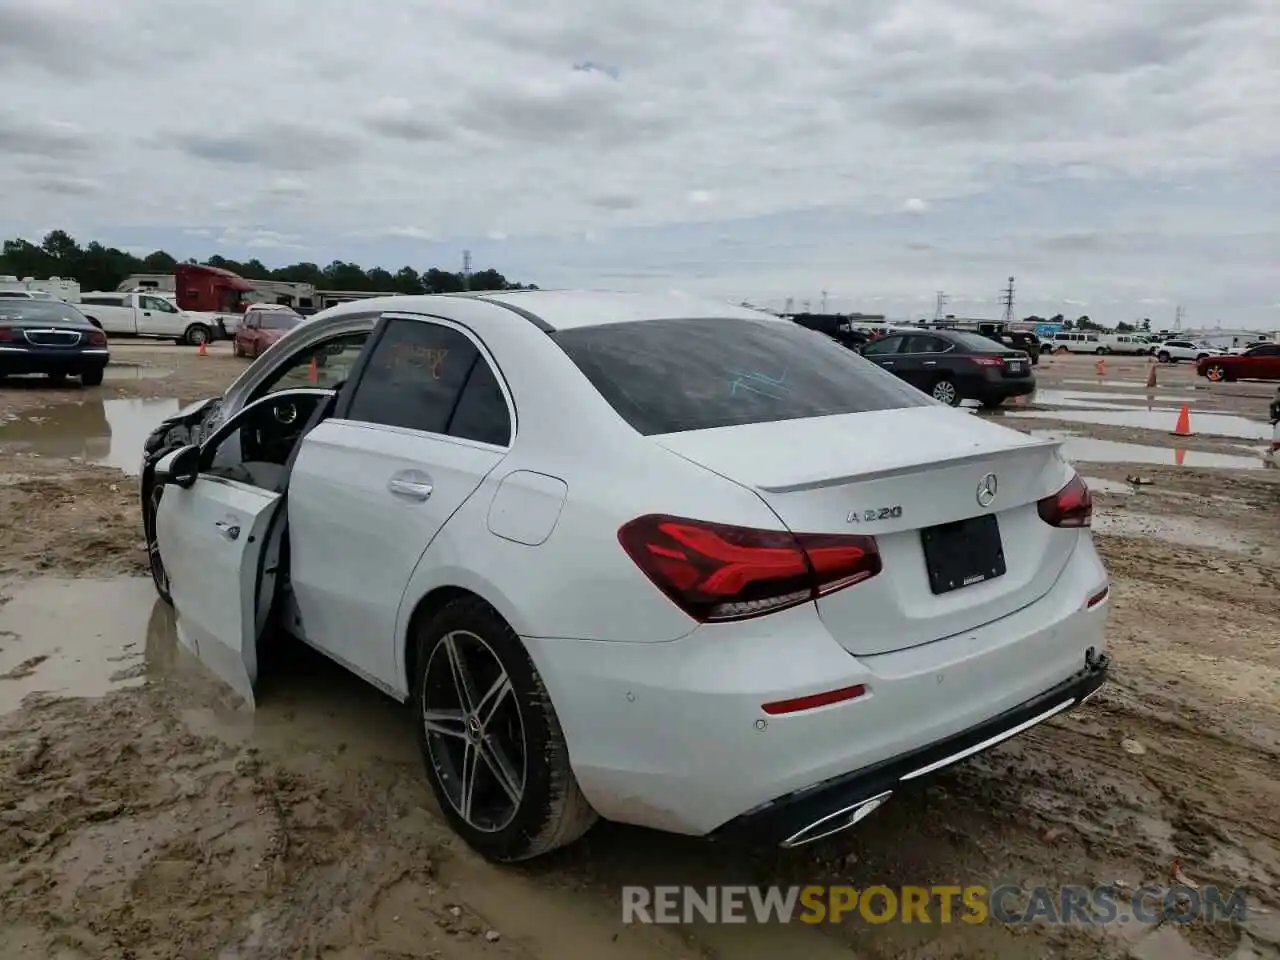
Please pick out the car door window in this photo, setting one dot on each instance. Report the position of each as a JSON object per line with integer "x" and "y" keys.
{"x": 884, "y": 345}
{"x": 481, "y": 413}
{"x": 327, "y": 365}
{"x": 158, "y": 305}
{"x": 923, "y": 344}
{"x": 415, "y": 376}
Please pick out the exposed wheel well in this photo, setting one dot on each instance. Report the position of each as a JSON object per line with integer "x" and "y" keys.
{"x": 427, "y": 607}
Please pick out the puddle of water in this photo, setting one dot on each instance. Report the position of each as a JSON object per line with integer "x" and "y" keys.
{"x": 135, "y": 373}
{"x": 306, "y": 702}
{"x": 1083, "y": 398}
{"x": 1111, "y": 451}
{"x": 1179, "y": 530}
{"x": 106, "y": 432}
{"x": 1211, "y": 424}
{"x": 1096, "y": 382}
{"x": 55, "y": 638}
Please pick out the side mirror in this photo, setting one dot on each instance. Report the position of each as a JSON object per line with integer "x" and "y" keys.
{"x": 179, "y": 468}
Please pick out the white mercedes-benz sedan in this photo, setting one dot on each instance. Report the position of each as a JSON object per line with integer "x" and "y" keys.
{"x": 650, "y": 558}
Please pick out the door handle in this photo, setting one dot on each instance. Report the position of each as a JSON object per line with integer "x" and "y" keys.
{"x": 413, "y": 489}
{"x": 931, "y": 363}
{"x": 886, "y": 363}
{"x": 228, "y": 530}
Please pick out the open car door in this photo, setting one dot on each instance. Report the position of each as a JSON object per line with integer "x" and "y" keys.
{"x": 220, "y": 542}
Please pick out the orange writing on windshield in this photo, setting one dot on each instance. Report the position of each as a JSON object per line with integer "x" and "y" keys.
{"x": 413, "y": 355}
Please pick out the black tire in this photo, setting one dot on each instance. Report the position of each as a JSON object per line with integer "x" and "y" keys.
{"x": 1163, "y": 357}
{"x": 1216, "y": 372}
{"x": 945, "y": 390}
{"x": 159, "y": 576}
{"x": 197, "y": 334}
{"x": 552, "y": 811}
{"x": 91, "y": 378}
{"x": 1101, "y": 351}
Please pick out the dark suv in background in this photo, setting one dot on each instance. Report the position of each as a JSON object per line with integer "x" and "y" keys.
{"x": 953, "y": 365}
{"x": 1028, "y": 343}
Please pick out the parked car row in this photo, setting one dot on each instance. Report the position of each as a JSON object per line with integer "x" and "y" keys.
{"x": 568, "y": 528}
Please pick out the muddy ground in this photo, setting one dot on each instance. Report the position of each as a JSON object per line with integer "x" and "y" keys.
{"x": 143, "y": 816}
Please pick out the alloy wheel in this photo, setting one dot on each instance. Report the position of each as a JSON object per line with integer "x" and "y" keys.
{"x": 475, "y": 733}
{"x": 945, "y": 391}
{"x": 1215, "y": 373}
{"x": 158, "y": 572}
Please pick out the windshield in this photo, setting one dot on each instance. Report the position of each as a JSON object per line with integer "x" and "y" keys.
{"x": 668, "y": 376}
{"x": 278, "y": 320}
{"x": 52, "y": 311}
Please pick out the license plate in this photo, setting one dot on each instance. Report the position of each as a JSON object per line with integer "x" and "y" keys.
{"x": 1015, "y": 366}
{"x": 963, "y": 553}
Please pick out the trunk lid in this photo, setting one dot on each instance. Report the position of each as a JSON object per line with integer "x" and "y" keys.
{"x": 892, "y": 474}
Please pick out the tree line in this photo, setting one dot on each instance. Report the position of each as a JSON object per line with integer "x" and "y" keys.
{"x": 99, "y": 267}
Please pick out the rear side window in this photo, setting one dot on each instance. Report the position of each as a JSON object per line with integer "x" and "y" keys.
{"x": 668, "y": 376}
{"x": 425, "y": 376}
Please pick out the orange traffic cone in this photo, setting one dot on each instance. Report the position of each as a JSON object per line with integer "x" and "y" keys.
{"x": 1102, "y": 367}
{"x": 313, "y": 371}
{"x": 1183, "y": 427}
{"x": 1151, "y": 377}
{"x": 1179, "y": 455}
{"x": 202, "y": 350}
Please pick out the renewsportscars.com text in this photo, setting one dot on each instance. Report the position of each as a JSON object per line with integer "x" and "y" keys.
{"x": 928, "y": 905}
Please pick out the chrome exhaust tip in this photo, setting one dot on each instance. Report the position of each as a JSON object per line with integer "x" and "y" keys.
{"x": 842, "y": 819}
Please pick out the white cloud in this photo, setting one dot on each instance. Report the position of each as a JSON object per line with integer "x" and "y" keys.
{"x": 582, "y": 118}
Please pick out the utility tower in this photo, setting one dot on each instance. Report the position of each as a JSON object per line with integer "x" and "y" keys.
{"x": 1006, "y": 298}
{"x": 1178, "y": 315}
{"x": 787, "y": 307}
{"x": 466, "y": 269}
{"x": 940, "y": 303}
{"x": 824, "y": 301}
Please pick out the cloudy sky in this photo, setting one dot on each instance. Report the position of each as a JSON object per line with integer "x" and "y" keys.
{"x": 1119, "y": 158}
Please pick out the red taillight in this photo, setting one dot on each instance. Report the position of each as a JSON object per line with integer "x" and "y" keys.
{"x": 8, "y": 333}
{"x": 717, "y": 572}
{"x": 1072, "y": 506}
{"x": 985, "y": 361}
{"x": 97, "y": 339}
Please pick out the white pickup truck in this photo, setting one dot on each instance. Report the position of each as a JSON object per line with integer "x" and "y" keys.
{"x": 144, "y": 315}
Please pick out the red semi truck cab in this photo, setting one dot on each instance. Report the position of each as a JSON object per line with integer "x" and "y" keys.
{"x": 211, "y": 289}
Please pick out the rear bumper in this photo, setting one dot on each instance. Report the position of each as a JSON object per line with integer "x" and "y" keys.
{"x": 672, "y": 735}
{"x": 1003, "y": 389}
{"x": 19, "y": 360}
{"x": 828, "y": 807}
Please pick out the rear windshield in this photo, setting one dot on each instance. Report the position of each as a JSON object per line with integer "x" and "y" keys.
{"x": 668, "y": 376}
{"x": 976, "y": 344}
{"x": 53, "y": 311}
{"x": 278, "y": 320}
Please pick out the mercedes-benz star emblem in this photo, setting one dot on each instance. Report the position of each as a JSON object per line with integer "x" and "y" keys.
{"x": 987, "y": 487}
